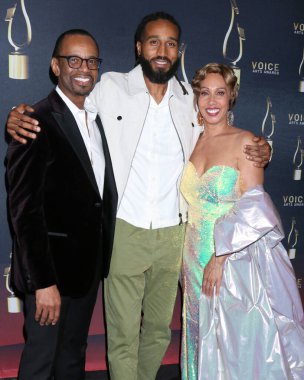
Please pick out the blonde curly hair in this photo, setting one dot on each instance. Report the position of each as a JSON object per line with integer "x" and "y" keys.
{"x": 216, "y": 68}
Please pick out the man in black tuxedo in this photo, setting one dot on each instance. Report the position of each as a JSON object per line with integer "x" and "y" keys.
{"x": 62, "y": 204}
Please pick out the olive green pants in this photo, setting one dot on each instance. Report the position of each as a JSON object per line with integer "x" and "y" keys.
{"x": 140, "y": 294}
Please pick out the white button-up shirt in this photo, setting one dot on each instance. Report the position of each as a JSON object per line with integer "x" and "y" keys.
{"x": 151, "y": 197}
{"x": 90, "y": 134}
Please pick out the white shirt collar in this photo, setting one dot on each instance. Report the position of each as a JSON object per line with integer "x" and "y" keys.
{"x": 165, "y": 99}
{"x": 91, "y": 110}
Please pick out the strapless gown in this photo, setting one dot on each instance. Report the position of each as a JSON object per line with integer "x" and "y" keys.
{"x": 254, "y": 329}
{"x": 209, "y": 196}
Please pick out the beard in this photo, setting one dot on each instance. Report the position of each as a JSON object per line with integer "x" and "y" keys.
{"x": 158, "y": 76}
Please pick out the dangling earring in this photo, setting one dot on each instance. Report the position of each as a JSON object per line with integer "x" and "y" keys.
{"x": 230, "y": 118}
{"x": 200, "y": 119}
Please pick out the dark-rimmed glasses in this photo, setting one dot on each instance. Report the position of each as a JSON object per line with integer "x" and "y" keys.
{"x": 75, "y": 62}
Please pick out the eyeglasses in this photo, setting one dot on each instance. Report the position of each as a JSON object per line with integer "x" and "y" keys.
{"x": 75, "y": 62}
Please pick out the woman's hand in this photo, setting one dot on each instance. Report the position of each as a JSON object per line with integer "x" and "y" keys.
{"x": 213, "y": 274}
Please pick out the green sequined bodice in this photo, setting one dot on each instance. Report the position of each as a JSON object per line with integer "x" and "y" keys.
{"x": 211, "y": 194}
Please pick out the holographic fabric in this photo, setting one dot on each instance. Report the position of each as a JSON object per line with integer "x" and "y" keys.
{"x": 254, "y": 329}
{"x": 209, "y": 196}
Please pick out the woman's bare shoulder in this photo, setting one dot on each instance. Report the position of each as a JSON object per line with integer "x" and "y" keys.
{"x": 245, "y": 137}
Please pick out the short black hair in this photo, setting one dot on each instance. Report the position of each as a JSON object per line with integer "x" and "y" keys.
{"x": 71, "y": 32}
{"x": 154, "y": 17}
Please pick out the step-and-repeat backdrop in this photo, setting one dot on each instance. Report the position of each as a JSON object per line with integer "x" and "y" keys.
{"x": 263, "y": 40}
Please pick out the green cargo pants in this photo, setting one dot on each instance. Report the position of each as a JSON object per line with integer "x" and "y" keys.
{"x": 140, "y": 294}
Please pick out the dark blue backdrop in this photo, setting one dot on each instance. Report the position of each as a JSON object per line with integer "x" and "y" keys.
{"x": 272, "y": 53}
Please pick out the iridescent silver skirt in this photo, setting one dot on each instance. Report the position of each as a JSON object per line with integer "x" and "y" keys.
{"x": 254, "y": 330}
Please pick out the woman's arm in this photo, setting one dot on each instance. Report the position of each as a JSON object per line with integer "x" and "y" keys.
{"x": 250, "y": 175}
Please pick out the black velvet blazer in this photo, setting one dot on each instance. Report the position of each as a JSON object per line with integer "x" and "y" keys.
{"x": 63, "y": 232}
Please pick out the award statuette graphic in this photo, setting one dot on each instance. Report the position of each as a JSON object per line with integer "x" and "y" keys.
{"x": 17, "y": 60}
{"x": 301, "y": 73}
{"x": 241, "y": 37}
{"x": 181, "y": 55}
{"x": 14, "y": 304}
{"x": 298, "y": 159}
{"x": 268, "y": 124}
{"x": 292, "y": 239}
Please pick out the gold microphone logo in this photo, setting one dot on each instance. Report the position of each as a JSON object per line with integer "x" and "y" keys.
{"x": 17, "y": 60}
{"x": 301, "y": 73}
{"x": 241, "y": 37}
{"x": 298, "y": 159}
{"x": 268, "y": 123}
{"x": 292, "y": 239}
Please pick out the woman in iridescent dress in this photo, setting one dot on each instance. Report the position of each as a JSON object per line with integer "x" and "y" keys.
{"x": 242, "y": 313}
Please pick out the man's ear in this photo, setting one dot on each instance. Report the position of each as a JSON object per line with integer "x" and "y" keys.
{"x": 138, "y": 48}
{"x": 55, "y": 66}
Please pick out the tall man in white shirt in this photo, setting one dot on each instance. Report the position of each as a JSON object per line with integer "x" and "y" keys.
{"x": 150, "y": 136}
{"x": 62, "y": 203}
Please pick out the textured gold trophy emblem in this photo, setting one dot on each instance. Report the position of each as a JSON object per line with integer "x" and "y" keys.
{"x": 18, "y": 60}
{"x": 292, "y": 239}
{"x": 301, "y": 73}
{"x": 298, "y": 159}
{"x": 14, "y": 304}
{"x": 241, "y": 37}
{"x": 268, "y": 123}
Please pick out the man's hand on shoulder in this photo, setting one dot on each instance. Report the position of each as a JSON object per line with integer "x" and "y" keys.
{"x": 19, "y": 125}
{"x": 260, "y": 153}
{"x": 48, "y": 302}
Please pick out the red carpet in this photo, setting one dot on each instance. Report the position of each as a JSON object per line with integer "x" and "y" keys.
{"x": 10, "y": 355}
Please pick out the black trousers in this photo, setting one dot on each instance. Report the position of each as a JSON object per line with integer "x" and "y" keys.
{"x": 58, "y": 352}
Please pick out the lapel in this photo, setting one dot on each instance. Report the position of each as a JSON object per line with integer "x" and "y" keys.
{"x": 69, "y": 127}
{"x": 110, "y": 190}
{"x": 180, "y": 114}
{"x": 109, "y": 203}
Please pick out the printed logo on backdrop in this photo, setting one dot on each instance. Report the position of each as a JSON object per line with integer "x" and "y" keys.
{"x": 293, "y": 200}
{"x": 268, "y": 68}
{"x": 296, "y": 118}
{"x": 14, "y": 304}
{"x": 298, "y": 28}
{"x": 268, "y": 124}
{"x": 181, "y": 54}
{"x": 297, "y": 161}
{"x": 301, "y": 74}
{"x": 234, "y": 35}
{"x": 292, "y": 239}
{"x": 18, "y": 60}
{"x": 299, "y": 282}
